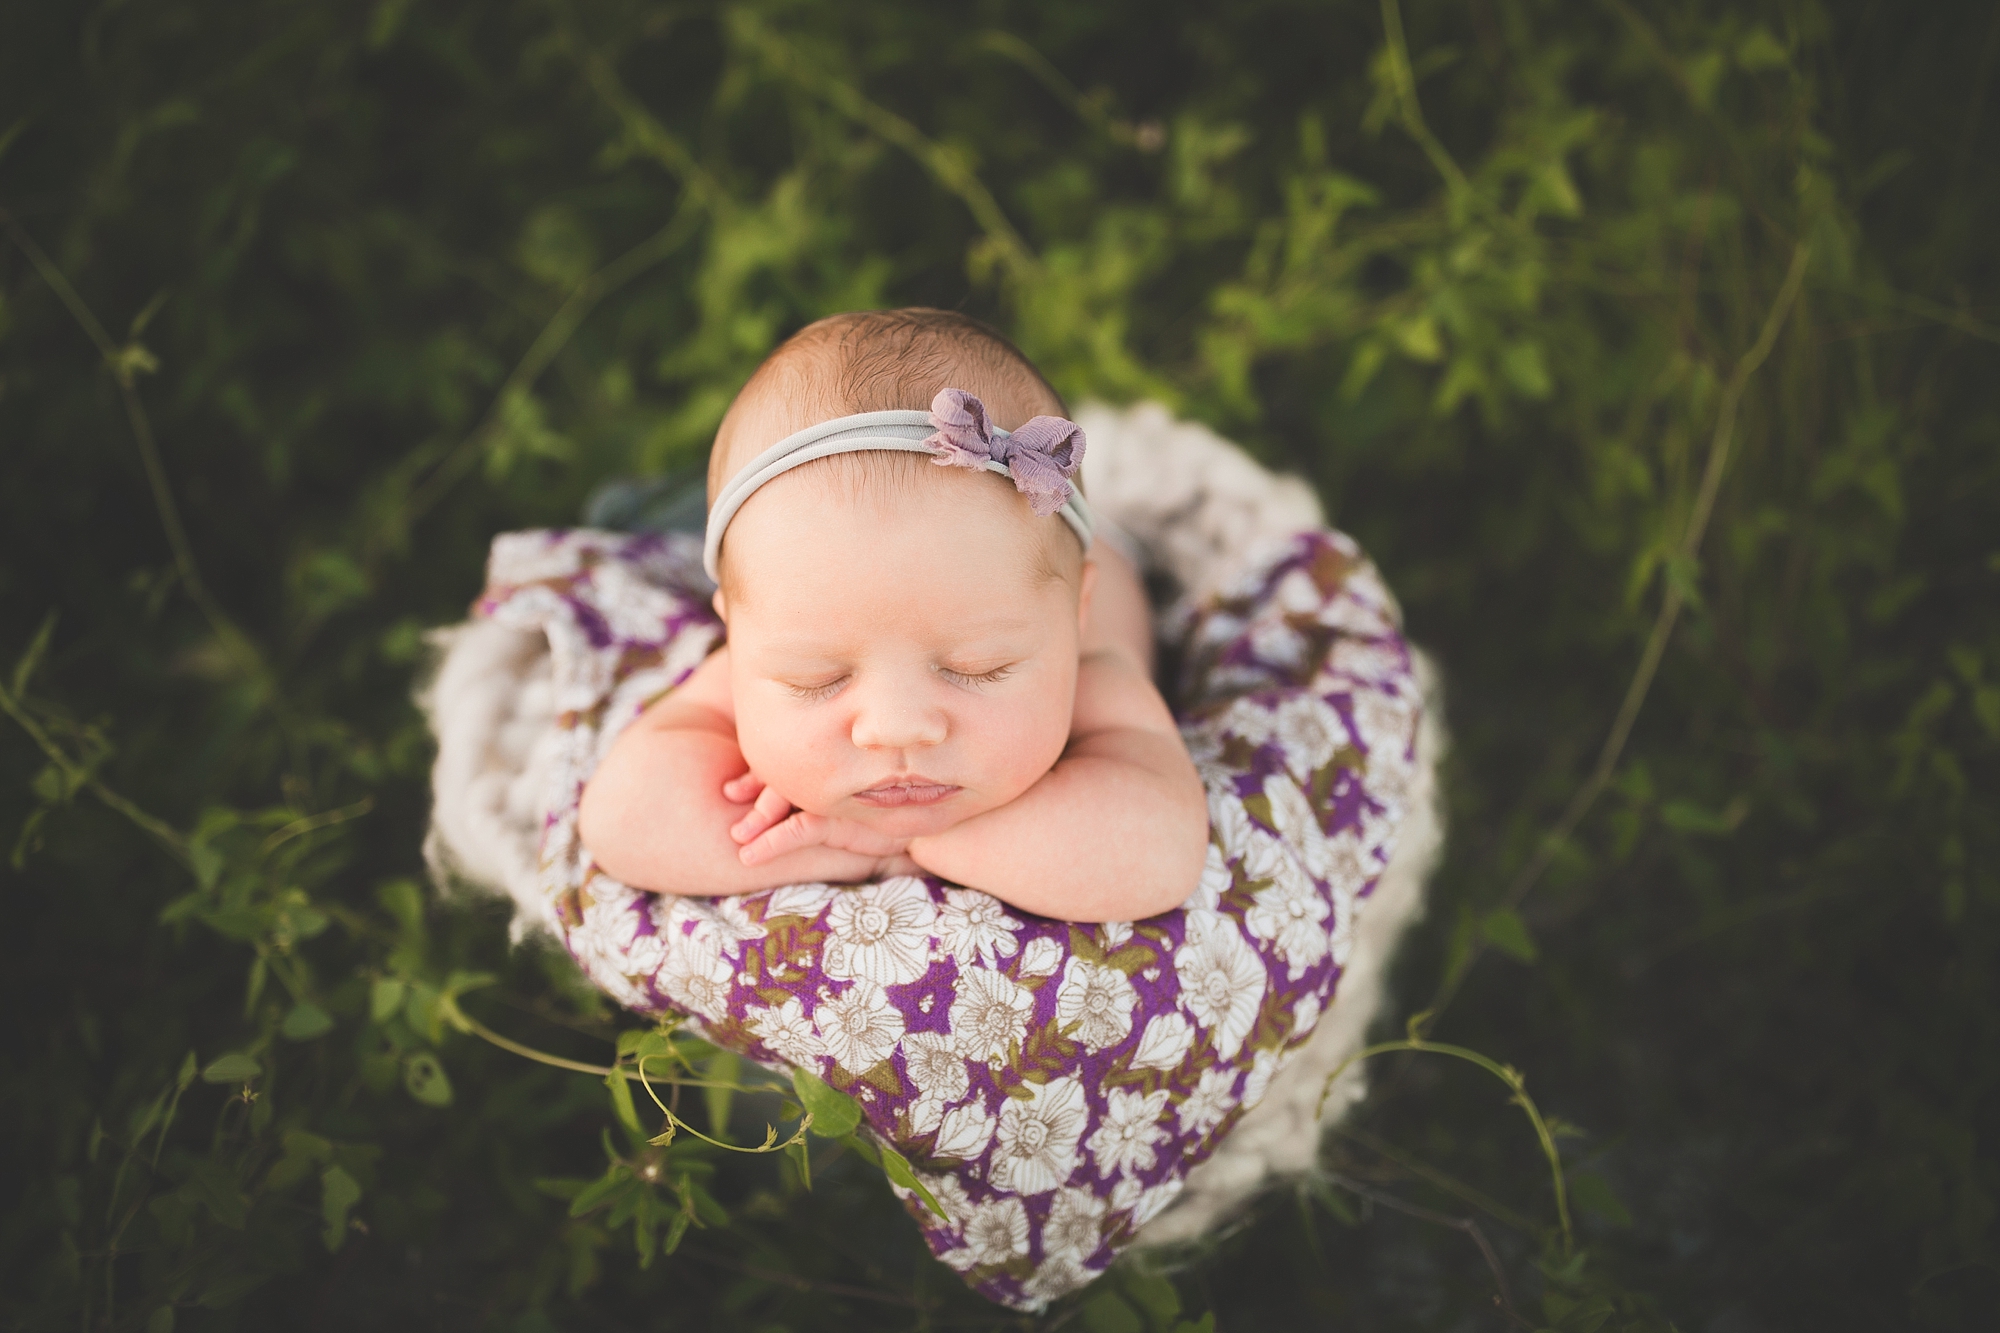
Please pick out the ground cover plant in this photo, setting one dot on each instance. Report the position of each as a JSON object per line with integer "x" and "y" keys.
{"x": 1648, "y": 345}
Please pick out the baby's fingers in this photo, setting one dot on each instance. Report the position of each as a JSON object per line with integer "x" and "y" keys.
{"x": 742, "y": 790}
{"x": 768, "y": 810}
{"x": 801, "y": 830}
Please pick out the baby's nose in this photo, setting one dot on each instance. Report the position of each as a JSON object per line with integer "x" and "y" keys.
{"x": 894, "y": 721}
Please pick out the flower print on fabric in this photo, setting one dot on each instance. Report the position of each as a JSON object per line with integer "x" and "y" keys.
{"x": 975, "y": 926}
{"x": 995, "y": 1233}
{"x": 1222, "y": 979}
{"x": 1309, "y": 733}
{"x": 786, "y": 1033}
{"x": 933, "y": 1063}
{"x": 1291, "y": 913}
{"x": 802, "y": 900}
{"x": 965, "y": 1132}
{"x": 1051, "y": 1084}
{"x": 1168, "y": 1039}
{"x": 860, "y": 1028}
{"x": 1095, "y": 1003}
{"x": 1035, "y": 1149}
{"x": 695, "y": 975}
{"x": 1126, "y": 1139}
{"x": 1075, "y": 1227}
{"x": 1208, "y": 1103}
{"x": 1041, "y": 958}
{"x": 607, "y": 943}
{"x": 881, "y": 932}
{"x": 989, "y": 1015}
{"x": 1258, "y": 1081}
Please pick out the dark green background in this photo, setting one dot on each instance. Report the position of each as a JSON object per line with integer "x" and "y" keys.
{"x": 387, "y": 278}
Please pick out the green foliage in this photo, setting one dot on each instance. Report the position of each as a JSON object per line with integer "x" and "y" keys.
{"x": 1647, "y": 344}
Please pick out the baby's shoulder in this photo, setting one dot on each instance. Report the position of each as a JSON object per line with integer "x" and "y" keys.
{"x": 701, "y": 695}
{"x": 1113, "y": 692}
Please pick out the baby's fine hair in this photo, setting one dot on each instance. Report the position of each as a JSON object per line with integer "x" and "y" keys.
{"x": 873, "y": 361}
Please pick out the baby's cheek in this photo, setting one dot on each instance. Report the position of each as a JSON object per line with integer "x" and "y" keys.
{"x": 1025, "y": 743}
{"x": 779, "y": 755}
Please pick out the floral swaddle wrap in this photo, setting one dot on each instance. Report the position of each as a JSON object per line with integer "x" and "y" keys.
{"x": 1051, "y": 1083}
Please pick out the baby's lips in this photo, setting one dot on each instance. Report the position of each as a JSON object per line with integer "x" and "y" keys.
{"x": 913, "y": 790}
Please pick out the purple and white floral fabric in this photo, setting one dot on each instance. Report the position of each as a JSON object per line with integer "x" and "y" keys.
{"x": 1052, "y": 1083}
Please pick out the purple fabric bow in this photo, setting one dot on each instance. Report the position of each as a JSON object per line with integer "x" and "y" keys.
{"x": 1041, "y": 456}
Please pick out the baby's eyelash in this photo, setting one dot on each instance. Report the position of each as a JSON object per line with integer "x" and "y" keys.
{"x": 814, "y": 693}
{"x": 993, "y": 677}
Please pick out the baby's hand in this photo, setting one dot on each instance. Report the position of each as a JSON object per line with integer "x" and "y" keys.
{"x": 773, "y": 828}
{"x": 767, "y": 808}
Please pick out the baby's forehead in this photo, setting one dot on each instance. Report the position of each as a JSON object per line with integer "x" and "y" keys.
{"x": 881, "y": 515}
{"x": 850, "y": 611}
{"x": 940, "y": 626}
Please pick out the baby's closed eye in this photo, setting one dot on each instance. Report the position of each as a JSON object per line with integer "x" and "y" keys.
{"x": 976, "y": 678}
{"x": 814, "y": 691}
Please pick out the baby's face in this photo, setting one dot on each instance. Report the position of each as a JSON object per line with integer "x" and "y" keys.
{"x": 900, "y": 662}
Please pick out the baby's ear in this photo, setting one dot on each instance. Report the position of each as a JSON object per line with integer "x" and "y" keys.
{"x": 1085, "y": 587}
{"x": 721, "y": 605}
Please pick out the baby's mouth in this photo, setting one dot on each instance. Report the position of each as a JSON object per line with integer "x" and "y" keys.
{"x": 907, "y": 791}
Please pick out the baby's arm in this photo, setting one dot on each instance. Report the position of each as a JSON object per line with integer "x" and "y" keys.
{"x": 655, "y": 814}
{"x": 1118, "y": 829}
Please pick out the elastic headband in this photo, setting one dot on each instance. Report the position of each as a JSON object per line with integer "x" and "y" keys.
{"x": 1039, "y": 458}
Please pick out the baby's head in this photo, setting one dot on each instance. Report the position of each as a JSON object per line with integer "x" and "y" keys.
{"x": 903, "y": 637}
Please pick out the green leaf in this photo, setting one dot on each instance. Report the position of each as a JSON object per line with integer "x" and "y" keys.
{"x": 675, "y": 1231}
{"x": 599, "y": 1191}
{"x": 622, "y": 1105}
{"x": 424, "y": 1078}
{"x": 897, "y": 1168}
{"x": 708, "y": 1210}
{"x": 134, "y": 359}
{"x": 1107, "y": 1312}
{"x": 55, "y": 784}
{"x": 1505, "y": 931}
{"x": 1418, "y": 338}
{"x": 1594, "y": 1194}
{"x": 1687, "y": 817}
{"x": 385, "y": 997}
{"x": 1986, "y": 707}
{"x": 214, "y": 1186}
{"x": 1703, "y": 72}
{"x": 338, "y": 1192}
{"x": 235, "y": 1067}
{"x": 24, "y": 669}
{"x": 1587, "y": 1315}
{"x": 801, "y": 1156}
{"x": 1522, "y": 365}
{"x": 835, "y": 1114}
{"x": 722, "y": 1067}
{"x": 1155, "y": 1295}
{"x": 1760, "y": 50}
{"x": 421, "y": 1011}
{"x": 642, "y": 1230}
{"x": 306, "y": 1021}
{"x": 161, "y": 1320}
{"x": 656, "y": 1048}
{"x": 29, "y": 840}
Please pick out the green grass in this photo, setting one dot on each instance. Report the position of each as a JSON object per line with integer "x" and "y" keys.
{"x": 300, "y": 304}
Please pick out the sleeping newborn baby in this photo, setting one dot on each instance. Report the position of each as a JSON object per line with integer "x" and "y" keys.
{"x": 929, "y": 668}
